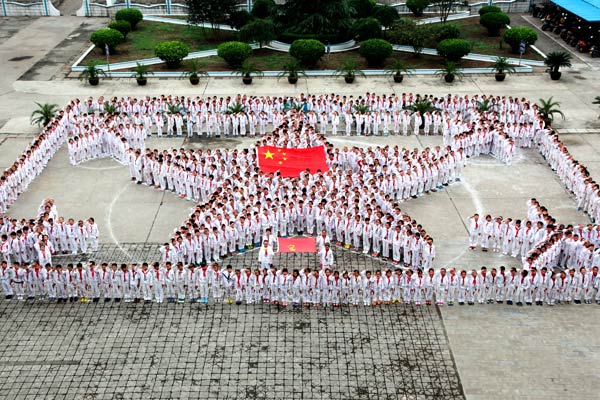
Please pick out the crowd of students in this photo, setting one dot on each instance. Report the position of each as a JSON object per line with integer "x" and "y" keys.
{"x": 355, "y": 204}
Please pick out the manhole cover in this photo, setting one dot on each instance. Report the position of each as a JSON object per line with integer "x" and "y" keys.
{"x": 21, "y": 58}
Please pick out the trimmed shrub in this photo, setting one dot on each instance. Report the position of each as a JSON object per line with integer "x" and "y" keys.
{"x": 307, "y": 51}
{"x": 417, "y": 6}
{"x": 122, "y": 26}
{"x": 239, "y": 18}
{"x": 131, "y": 15}
{"x": 494, "y": 21}
{"x": 489, "y": 9}
{"x": 366, "y": 28}
{"x": 375, "y": 51}
{"x": 441, "y": 32}
{"x": 263, "y": 8}
{"x": 386, "y": 15}
{"x": 107, "y": 36}
{"x": 514, "y": 36}
{"x": 260, "y": 30}
{"x": 454, "y": 49}
{"x": 234, "y": 53}
{"x": 172, "y": 53}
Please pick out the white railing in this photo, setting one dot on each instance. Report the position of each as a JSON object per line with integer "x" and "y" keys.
{"x": 42, "y": 8}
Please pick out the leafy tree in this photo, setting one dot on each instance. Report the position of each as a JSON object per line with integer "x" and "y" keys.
{"x": 210, "y": 11}
{"x": 366, "y": 28}
{"x": 260, "y": 30}
{"x": 445, "y": 7}
{"x": 43, "y": 114}
{"x": 417, "y": 6}
{"x": 317, "y": 17}
{"x": 362, "y": 8}
{"x": 387, "y": 15}
{"x": 239, "y": 18}
{"x": 417, "y": 38}
{"x": 263, "y": 8}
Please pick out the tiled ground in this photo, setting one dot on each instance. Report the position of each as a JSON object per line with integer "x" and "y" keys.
{"x": 173, "y": 351}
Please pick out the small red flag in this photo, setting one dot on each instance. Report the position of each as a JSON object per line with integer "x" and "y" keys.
{"x": 291, "y": 162}
{"x": 297, "y": 245}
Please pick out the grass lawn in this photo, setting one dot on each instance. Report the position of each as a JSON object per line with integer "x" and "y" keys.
{"x": 485, "y": 44}
{"x": 270, "y": 60}
{"x": 141, "y": 42}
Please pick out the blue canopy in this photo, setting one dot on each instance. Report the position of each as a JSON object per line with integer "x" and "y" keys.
{"x": 586, "y": 9}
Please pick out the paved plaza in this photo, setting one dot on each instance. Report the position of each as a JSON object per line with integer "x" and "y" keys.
{"x": 171, "y": 351}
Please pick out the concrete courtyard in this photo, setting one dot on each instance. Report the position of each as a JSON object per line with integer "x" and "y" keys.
{"x": 484, "y": 352}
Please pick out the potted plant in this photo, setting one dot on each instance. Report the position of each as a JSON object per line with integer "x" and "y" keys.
{"x": 194, "y": 72}
{"x": 450, "y": 70}
{"x": 92, "y": 73}
{"x": 140, "y": 73}
{"x": 547, "y": 109}
{"x": 397, "y": 69}
{"x": 349, "y": 71}
{"x": 423, "y": 106}
{"x": 556, "y": 59}
{"x": 292, "y": 69}
{"x": 502, "y": 67}
{"x": 246, "y": 70}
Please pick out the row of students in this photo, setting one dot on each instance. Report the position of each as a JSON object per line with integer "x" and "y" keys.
{"x": 298, "y": 287}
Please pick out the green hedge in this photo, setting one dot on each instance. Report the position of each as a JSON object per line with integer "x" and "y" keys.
{"x": 454, "y": 49}
{"x": 122, "y": 26}
{"x": 489, "y": 9}
{"x": 131, "y": 15}
{"x": 514, "y": 36}
{"x": 172, "y": 53}
{"x": 234, "y": 53}
{"x": 494, "y": 21}
{"x": 307, "y": 51}
{"x": 366, "y": 28}
{"x": 375, "y": 51}
{"x": 107, "y": 36}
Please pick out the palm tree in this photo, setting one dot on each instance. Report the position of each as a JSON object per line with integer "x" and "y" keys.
{"x": 397, "y": 69}
{"x": 349, "y": 71}
{"x": 449, "y": 71}
{"x": 555, "y": 60}
{"x": 44, "y": 113}
{"x": 361, "y": 108}
{"x": 236, "y": 108}
{"x": 547, "y": 109}
{"x": 110, "y": 108}
{"x": 502, "y": 67}
{"x": 486, "y": 106}
{"x": 423, "y": 106}
{"x": 292, "y": 69}
{"x": 173, "y": 108}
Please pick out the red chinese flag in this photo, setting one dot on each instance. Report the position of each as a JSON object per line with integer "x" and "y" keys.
{"x": 297, "y": 245}
{"x": 291, "y": 162}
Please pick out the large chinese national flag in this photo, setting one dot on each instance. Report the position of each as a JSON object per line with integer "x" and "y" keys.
{"x": 291, "y": 162}
{"x": 297, "y": 245}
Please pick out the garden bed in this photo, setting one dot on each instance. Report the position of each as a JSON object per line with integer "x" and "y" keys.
{"x": 471, "y": 30}
{"x": 270, "y": 60}
{"x": 140, "y": 43}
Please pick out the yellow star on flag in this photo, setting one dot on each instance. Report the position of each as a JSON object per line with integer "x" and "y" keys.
{"x": 268, "y": 155}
